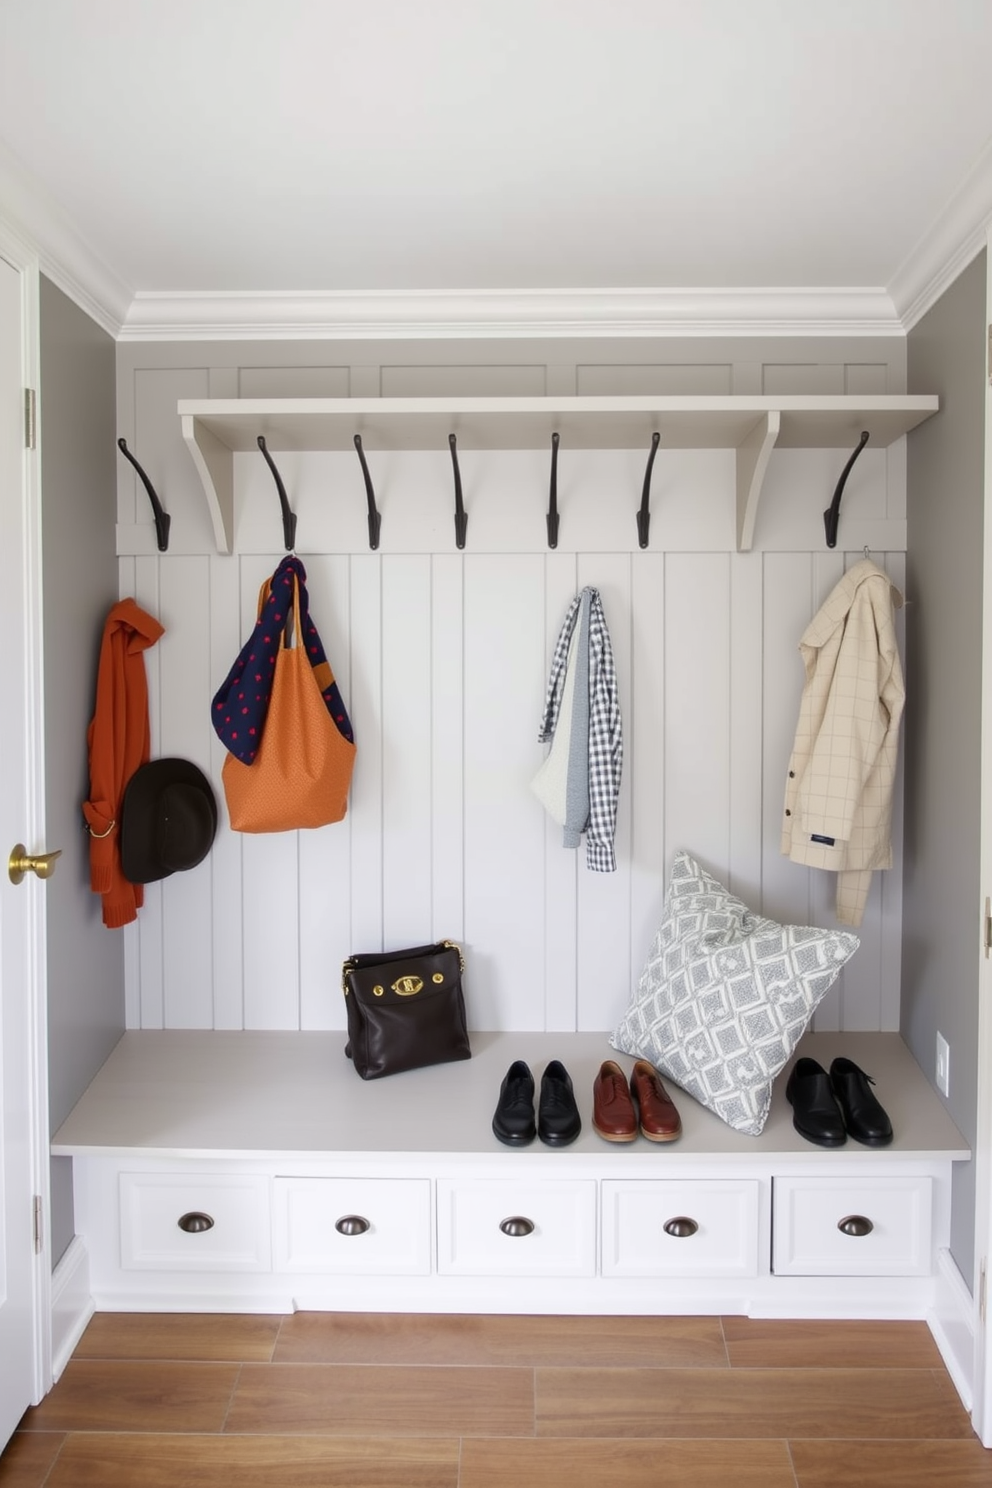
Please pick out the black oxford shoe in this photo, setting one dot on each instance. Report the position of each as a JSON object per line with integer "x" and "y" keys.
{"x": 558, "y": 1121}
{"x": 815, "y": 1113}
{"x": 513, "y": 1120}
{"x": 864, "y": 1118}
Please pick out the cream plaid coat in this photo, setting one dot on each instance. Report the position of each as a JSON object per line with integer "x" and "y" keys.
{"x": 838, "y": 796}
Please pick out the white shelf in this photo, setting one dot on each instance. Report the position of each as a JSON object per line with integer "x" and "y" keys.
{"x": 214, "y": 429}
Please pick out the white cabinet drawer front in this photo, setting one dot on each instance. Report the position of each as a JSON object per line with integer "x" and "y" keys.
{"x": 517, "y": 1229}
{"x": 852, "y": 1226}
{"x": 698, "y": 1227}
{"x": 356, "y": 1225}
{"x": 210, "y": 1222}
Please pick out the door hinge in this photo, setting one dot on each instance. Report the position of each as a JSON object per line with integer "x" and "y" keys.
{"x": 990, "y": 353}
{"x": 987, "y": 928}
{"x": 982, "y": 1290}
{"x": 39, "y": 1232}
{"x": 30, "y": 419}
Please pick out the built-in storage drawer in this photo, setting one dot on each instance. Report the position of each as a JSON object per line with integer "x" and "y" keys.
{"x": 206, "y": 1222}
{"x": 846, "y": 1226}
{"x": 356, "y": 1225}
{"x": 522, "y": 1228}
{"x": 696, "y": 1227}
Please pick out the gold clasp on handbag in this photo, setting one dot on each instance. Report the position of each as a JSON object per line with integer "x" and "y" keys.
{"x": 407, "y": 986}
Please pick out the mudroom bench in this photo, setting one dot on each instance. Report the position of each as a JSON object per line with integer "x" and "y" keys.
{"x": 256, "y": 1172}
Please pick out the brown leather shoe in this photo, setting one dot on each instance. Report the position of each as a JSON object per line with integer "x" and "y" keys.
{"x": 613, "y": 1114}
{"x": 660, "y": 1121}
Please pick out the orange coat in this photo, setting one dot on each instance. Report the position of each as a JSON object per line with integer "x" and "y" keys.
{"x": 119, "y": 740}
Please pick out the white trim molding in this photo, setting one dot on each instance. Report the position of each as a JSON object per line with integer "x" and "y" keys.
{"x": 956, "y": 237}
{"x": 72, "y": 1303}
{"x": 952, "y": 1323}
{"x": 63, "y": 255}
{"x": 509, "y": 314}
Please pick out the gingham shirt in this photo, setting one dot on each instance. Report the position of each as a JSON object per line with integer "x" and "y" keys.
{"x": 604, "y": 753}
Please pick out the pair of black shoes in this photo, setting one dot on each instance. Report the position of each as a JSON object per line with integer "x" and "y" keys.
{"x": 827, "y": 1109}
{"x": 558, "y": 1121}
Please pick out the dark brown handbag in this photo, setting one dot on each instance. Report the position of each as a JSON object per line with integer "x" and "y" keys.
{"x": 406, "y": 1009}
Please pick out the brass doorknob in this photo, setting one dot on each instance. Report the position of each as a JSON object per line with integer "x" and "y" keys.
{"x": 21, "y": 862}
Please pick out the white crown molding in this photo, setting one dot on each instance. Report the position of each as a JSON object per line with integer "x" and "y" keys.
{"x": 63, "y": 255}
{"x": 947, "y": 247}
{"x": 507, "y": 314}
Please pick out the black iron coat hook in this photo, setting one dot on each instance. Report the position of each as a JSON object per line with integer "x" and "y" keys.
{"x": 288, "y": 517}
{"x": 644, "y": 515}
{"x": 553, "y": 496}
{"x": 461, "y": 516}
{"x": 832, "y": 514}
{"x": 375, "y": 516}
{"x": 162, "y": 519}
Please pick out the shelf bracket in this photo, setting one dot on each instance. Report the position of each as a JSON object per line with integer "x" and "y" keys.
{"x": 215, "y": 464}
{"x": 752, "y": 463}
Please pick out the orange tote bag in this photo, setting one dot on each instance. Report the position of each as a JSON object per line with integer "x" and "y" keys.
{"x": 302, "y": 772}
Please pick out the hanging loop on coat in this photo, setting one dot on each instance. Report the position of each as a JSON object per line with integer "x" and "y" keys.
{"x": 288, "y": 517}
{"x": 831, "y": 516}
{"x": 162, "y": 519}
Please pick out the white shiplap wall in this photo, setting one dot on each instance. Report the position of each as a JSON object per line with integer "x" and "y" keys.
{"x": 442, "y": 657}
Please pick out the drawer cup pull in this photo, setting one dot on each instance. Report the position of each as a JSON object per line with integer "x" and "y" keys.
{"x": 681, "y": 1227}
{"x": 517, "y": 1225}
{"x": 352, "y": 1224}
{"x": 856, "y": 1225}
{"x": 195, "y": 1223}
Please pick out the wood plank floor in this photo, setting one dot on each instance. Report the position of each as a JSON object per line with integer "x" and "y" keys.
{"x": 342, "y": 1400}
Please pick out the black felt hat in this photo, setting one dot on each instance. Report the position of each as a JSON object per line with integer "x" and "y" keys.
{"x": 168, "y": 820}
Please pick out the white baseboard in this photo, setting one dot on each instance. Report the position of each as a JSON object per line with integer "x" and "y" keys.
{"x": 952, "y": 1324}
{"x": 72, "y": 1303}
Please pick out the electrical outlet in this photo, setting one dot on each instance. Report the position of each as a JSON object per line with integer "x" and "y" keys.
{"x": 943, "y": 1075}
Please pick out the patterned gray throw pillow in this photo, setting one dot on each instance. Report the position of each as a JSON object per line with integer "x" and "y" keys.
{"x": 726, "y": 995}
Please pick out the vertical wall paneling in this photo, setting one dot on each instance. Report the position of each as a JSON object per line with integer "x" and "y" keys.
{"x": 504, "y": 826}
{"x": 271, "y": 887}
{"x": 443, "y": 658}
{"x": 447, "y": 709}
{"x": 150, "y": 929}
{"x": 698, "y": 725}
{"x": 561, "y": 864}
{"x": 789, "y": 604}
{"x": 325, "y": 852}
{"x": 406, "y": 749}
{"x": 603, "y": 899}
{"x": 184, "y": 730}
{"x": 226, "y": 637}
{"x": 365, "y": 809}
{"x": 644, "y": 736}
{"x": 131, "y": 933}
{"x": 747, "y": 686}
{"x": 891, "y": 881}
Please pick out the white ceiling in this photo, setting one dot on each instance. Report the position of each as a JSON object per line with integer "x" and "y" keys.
{"x": 811, "y": 152}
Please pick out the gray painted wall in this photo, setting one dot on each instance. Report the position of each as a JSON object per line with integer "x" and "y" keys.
{"x": 941, "y": 874}
{"x": 79, "y": 575}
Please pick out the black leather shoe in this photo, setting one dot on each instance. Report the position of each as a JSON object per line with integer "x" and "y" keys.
{"x": 815, "y": 1113}
{"x": 864, "y": 1118}
{"x": 513, "y": 1120}
{"x": 558, "y": 1121}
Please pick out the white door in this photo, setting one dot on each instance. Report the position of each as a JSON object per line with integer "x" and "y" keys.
{"x": 24, "y": 1288}
{"x": 982, "y": 1410}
